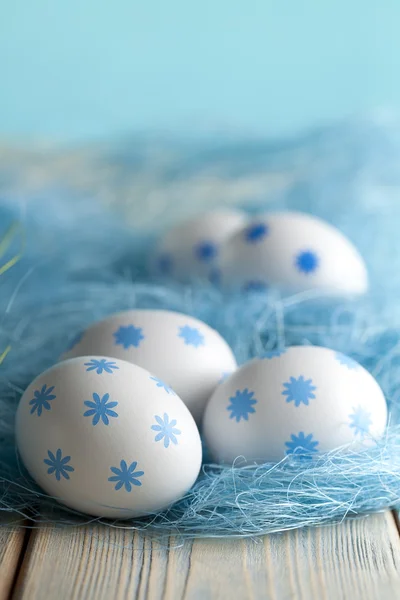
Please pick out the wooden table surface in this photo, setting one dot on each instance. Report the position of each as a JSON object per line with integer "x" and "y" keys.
{"x": 357, "y": 559}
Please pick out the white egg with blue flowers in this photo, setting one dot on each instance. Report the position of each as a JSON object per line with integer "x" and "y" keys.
{"x": 107, "y": 438}
{"x": 305, "y": 400}
{"x": 190, "y": 250}
{"x": 294, "y": 252}
{"x": 184, "y": 352}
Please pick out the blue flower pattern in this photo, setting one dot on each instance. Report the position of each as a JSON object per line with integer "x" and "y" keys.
{"x": 128, "y": 336}
{"x": 307, "y": 262}
{"x": 300, "y": 391}
{"x": 191, "y": 336}
{"x": 166, "y": 430}
{"x": 101, "y": 365}
{"x": 346, "y": 361}
{"x": 125, "y": 476}
{"x": 161, "y": 384}
{"x": 360, "y": 421}
{"x": 58, "y": 465}
{"x": 205, "y": 251}
{"x": 241, "y": 405}
{"x": 301, "y": 444}
{"x": 100, "y": 409}
{"x": 41, "y": 399}
{"x": 255, "y": 232}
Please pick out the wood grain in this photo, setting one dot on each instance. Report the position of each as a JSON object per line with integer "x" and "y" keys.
{"x": 11, "y": 544}
{"x": 355, "y": 560}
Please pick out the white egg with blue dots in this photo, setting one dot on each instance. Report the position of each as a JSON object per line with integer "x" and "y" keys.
{"x": 189, "y": 251}
{"x": 305, "y": 400}
{"x": 107, "y": 438}
{"x": 184, "y": 352}
{"x": 294, "y": 252}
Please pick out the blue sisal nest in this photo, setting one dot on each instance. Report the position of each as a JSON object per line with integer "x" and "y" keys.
{"x": 72, "y": 271}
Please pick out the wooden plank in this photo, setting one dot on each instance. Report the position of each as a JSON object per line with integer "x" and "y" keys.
{"x": 12, "y": 537}
{"x": 355, "y": 560}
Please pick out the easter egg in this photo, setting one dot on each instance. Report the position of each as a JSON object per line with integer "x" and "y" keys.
{"x": 305, "y": 400}
{"x": 187, "y": 354}
{"x": 190, "y": 249}
{"x": 295, "y": 252}
{"x": 106, "y": 438}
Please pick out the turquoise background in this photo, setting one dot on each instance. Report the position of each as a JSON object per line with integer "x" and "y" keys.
{"x": 79, "y": 69}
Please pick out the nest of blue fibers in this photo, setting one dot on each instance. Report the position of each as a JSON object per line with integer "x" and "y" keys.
{"x": 48, "y": 297}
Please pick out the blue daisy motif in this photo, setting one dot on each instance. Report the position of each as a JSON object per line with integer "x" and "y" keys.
{"x": 101, "y": 365}
{"x": 191, "y": 336}
{"x": 41, "y": 399}
{"x": 205, "y": 251}
{"x": 360, "y": 421}
{"x": 307, "y": 262}
{"x": 58, "y": 465}
{"x": 166, "y": 429}
{"x": 100, "y": 408}
{"x": 241, "y": 405}
{"x": 273, "y": 354}
{"x": 165, "y": 263}
{"x": 75, "y": 340}
{"x": 346, "y": 361}
{"x": 161, "y": 384}
{"x": 126, "y": 476}
{"x": 256, "y": 232}
{"x": 302, "y": 444}
{"x": 128, "y": 336}
{"x": 255, "y": 286}
{"x": 300, "y": 391}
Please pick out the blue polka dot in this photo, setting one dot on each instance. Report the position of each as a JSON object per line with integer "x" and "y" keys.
{"x": 256, "y": 232}
{"x": 205, "y": 251}
{"x": 307, "y": 262}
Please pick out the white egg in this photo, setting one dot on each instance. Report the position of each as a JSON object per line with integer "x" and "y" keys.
{"x": 187, "y": 354}
{"x": 305, "y": 399}
{"x": 189, "y": 250}
{"x": 295, "y": 252}
{"x": 107, "y": 438}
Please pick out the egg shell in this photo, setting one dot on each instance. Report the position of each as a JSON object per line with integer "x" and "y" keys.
{"x": 190, "y": 249}
{"x": 187, "y": 354}
{"x": 104, "y": 437}
{"x": 304, "y": 397}
{"x": 295, "y": 252}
